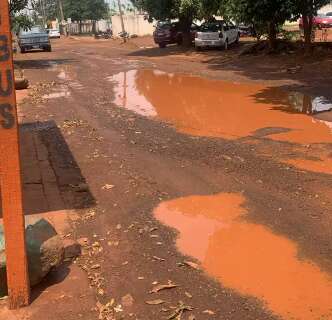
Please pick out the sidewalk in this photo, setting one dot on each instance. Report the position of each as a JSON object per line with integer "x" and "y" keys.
{"x": 65, "y": 291}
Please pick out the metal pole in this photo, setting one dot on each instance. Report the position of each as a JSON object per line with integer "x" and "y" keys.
{"x": 122, "y": 22}
{"x": 10, "y": 174}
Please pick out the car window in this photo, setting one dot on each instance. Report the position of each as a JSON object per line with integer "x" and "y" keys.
{"x": 211, "y": 27}
{"x": 33, "y": 30}
{"x": 329, "y": 14}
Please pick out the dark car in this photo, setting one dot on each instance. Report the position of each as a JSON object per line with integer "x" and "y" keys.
{"x": 169, "y": 33}
{"x": 247, "y": 30}
{"x": 35, "y": 38}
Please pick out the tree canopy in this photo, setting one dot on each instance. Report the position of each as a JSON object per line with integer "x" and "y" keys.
{"x": 85, "y": 9}
{"x": 265, "y": 15}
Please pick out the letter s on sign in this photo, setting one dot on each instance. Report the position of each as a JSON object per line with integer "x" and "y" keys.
{"x": 8, "y": 121}
{"x": 4, "y": 50}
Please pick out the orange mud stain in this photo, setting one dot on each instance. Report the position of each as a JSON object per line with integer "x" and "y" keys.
{"x": 323, "y": 165}
{"x": 214, "y": 108}
{"x": 247, "y": 257}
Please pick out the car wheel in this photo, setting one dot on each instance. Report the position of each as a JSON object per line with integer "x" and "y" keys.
{"x": 49, "y": 49}
{"x": 199, "y": 48}
{"x": 23, "y": 50}
{"x": 162, "y": 45}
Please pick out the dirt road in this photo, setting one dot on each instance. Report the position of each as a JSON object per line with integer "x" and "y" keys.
{"x": 218, "y": 187}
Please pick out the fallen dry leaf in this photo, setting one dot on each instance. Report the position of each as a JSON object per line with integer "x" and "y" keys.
{"x": 108, "y": 187}
{"x": 188, "y": 294}
{"x": 210, "y": 312}
{"x": 157, "y": 258}
{"x": 155, "y": 302}
{"x": 177, "y": 314}
{"x": 160, "y": 287}
{"x": 192, "y": 265}
{"x": 191, "y": 317}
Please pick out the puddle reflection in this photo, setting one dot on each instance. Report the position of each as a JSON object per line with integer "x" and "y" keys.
{"x": 215, "y": 108}
{"x": 247, "y": 257}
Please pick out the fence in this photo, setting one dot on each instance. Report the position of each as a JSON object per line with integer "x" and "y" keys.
{"x": 135, "y": 24}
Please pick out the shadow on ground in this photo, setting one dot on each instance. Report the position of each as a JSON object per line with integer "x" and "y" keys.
{"x": 42, "y": 63}
{"x": 52, "y": 180}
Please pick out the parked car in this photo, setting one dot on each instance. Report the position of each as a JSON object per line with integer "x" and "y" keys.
{"x": 319, "y": 22}
{"x": 169, "y": 32}
{"x": 35, "y": 38}
{"x": 218, "y": 34}
{"x": 54, "y": 33}
{"x": 247, "y": 30}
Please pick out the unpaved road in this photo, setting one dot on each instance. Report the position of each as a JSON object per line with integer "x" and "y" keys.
{"x": 249, "y": 203}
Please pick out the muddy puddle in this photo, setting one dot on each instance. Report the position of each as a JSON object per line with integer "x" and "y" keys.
{"x": 214, "y": 108}
{"x": 248, "y": 258}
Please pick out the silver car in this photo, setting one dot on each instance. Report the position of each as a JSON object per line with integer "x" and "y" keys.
{"x": 218, "y": 34}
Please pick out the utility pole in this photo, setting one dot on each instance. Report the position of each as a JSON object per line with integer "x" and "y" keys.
{"x": 122, "y": 22}
{"x": 62, "y": 18}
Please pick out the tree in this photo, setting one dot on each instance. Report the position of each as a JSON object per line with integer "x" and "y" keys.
{"x": 18, "y": 19}
{"x": 267, "y": 15}
{"x": 97, "y": 9}
{"x": 184, "y": 10}
{"x": 307, "y": 9}
{"x": 48, "y": 9}
{"x": 85, "y": 10}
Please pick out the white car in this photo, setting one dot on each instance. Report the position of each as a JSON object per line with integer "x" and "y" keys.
{"x": 54, "y": 33}
{"x": 218, "y": 34}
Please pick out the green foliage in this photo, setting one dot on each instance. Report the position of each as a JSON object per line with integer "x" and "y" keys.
{"x": 85, "y": 9}
{"x": 21, "y": 22}
{"x": 49, "y": 8}
{"x": 16, "y": 6}
{"x": 170, "y": 9}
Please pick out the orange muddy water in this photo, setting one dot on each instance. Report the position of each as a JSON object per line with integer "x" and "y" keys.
{"x": 215, "y": 108}
{"x": 248, "y": 257}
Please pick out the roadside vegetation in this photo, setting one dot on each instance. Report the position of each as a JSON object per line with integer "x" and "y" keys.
{"x": 267, "y": 16}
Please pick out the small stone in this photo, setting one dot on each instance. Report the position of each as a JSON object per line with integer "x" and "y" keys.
{"x": 83, "y": 241}
{"x": 127, "y": 300}
{"x": 72, "y": 249}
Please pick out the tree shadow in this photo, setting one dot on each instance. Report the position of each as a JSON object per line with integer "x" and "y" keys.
{"x": 51, "y": 182}
{"x": 290, "y": 65}
{"x": 180, "y": 50}
{"x": 42, "y": 63}
{"x": 295, "y": 99}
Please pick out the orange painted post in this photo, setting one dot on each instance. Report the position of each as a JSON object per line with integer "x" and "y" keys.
{"x": 10, "y": 173}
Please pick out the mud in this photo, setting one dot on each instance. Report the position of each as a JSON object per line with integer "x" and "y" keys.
{"x": 247, "y": 257}
{"x": 214, "y": 108}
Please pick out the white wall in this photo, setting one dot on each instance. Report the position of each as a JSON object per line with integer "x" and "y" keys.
{"x": 326, "y": 9}
{"x": 134, "y": 24}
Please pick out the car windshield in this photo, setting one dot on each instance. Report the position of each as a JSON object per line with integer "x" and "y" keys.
{"x": 33, "y": 30}
{"x": 166, "y": 25}
{"x": 211, "y": 27}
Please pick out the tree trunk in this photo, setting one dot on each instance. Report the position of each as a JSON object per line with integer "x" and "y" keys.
{"x": 80, "y": 27}
{"x": 307, "y": 30}
{"x": 94, "y": 27}
{"x": 272, "y": 33}
{"x": 184, "y": 37}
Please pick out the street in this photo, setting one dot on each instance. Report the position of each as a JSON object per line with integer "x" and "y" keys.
{"x": 202, "y": 187}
